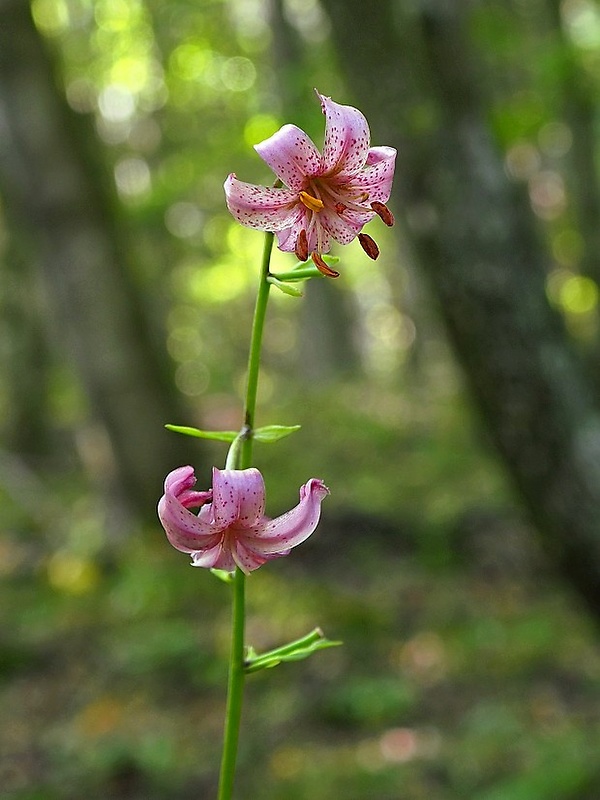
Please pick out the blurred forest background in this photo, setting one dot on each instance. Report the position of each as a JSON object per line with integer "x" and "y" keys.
{"x": 449, "y": 395}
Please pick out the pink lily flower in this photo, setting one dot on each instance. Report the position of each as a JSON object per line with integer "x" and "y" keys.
{"x": 325, "y": 196}
{"x": 231, "y": 529}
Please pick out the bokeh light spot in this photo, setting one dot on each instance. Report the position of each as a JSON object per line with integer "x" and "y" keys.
{"x": 578, "y": 294}
{"x": 260, "y": 127}
{"x": 51, "y": 17}
{"x": 72, "y": 574}
{"x": 183, "y": 220}
{"x": 192, "y": 378}
{"x": 116, "y": 103}
{"x": 547, "y": 194}
{"x": 132, "y": 176}
{"x": 238, "y": 74}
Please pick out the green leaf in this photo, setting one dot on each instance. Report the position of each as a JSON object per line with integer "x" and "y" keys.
{"x": 284, "y": 287}
{"x": 294, "y": 651}
{"x": 219, "y": 436}
{"x": 272, "y": 433}
{"x": 268, "y": 433}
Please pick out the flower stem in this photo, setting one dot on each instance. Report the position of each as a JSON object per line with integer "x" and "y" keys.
{"x": 258, "y": 324}
{"x": 235, "y": 684}
{"x": 235, "y": 689}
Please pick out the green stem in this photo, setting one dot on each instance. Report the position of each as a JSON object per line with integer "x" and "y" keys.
{"x": 235, "y": 690}
{"x": 243, "y": 457}
{"x": 258, "y": 324}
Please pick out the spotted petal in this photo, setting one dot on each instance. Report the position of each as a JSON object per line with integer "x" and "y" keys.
{"x": 260, "y": 207}
{"x": 278, "y": 535}
{"x": 347, "y": 138}
{"x": 185, "y": 531}
{"x": 179, "y": 482}
{"x": 376, "y": 178}
{"x": 287, "y": 238}
{"x": 245, "y": 557}
{"x": 292, "y": 156}
{"x": 238, "y": 497}
{"x": 343, "y": 227}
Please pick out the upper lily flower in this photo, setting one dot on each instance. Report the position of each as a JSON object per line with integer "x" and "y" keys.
{"x": 231, "y": 529}
{"x": 325, "y": 196}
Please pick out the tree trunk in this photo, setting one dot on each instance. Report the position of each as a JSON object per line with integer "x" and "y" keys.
{"x": 416, "y": 78}
{"x": 62, "y": 211}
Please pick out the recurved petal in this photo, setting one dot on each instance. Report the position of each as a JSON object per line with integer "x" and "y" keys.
{"x": 275, "y": 537}
{"x": 179, "y": 482}
{"x": 216, "y": 557}
{"x": 288, "y": 236}
{"x": 259, "y": 207}
{"x": 347, "y": 137}
{"x": 180, "y": 479}
{"x": 185, "y": 531}
{"x": 377, "y": 176}
{"x": 238, "y": 497}
{"x": 245, "y": 557}
{"x": 292, "y": 156}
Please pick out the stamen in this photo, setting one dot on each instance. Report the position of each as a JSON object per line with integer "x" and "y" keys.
{"x": 345, "y": 200}
{"x": 383, "y": 211}
{"x": 312, "y": 203}
{"x": 301, "y": 248}
{"x": 368, "y": 245}
{"x": 322, "y": 266}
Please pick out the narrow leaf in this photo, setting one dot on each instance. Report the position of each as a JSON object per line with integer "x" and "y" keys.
{"x": 219, "y": 436}
{"x": 294, "y": 651}
{"x": 272, "y": 433}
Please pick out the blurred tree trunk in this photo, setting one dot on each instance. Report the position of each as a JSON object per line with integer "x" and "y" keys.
{"x": 415, "y": 75}
{"x": 25, "y": 427}
{"x": 62, "y": 214}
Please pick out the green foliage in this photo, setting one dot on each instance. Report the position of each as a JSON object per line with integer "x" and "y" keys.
{"x": 370, "y": 702}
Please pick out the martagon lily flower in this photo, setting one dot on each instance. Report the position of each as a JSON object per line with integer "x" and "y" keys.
{"x": 325, "y": 196}
{"x": 231, "y": 529}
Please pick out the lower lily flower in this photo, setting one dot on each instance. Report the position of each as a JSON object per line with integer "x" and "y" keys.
{"x": 324, "y": 196}
{"x": 231, "y": 529}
